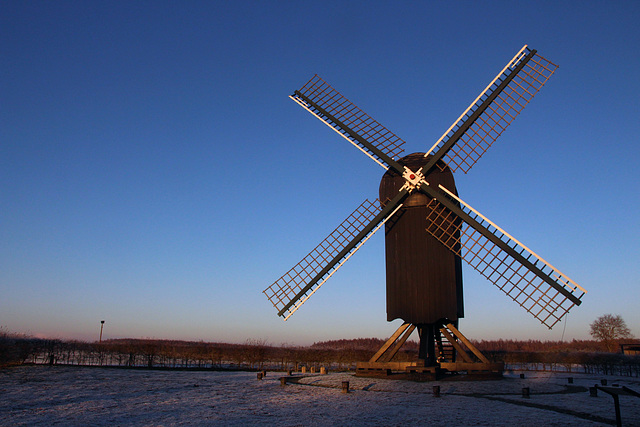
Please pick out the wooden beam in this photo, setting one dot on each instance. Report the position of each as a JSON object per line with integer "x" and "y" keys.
{"x": 387, "y": 357}
{"x": 389, "y": 342}
{"x": 457, "y": 346}
{"x": 466, "y": 342}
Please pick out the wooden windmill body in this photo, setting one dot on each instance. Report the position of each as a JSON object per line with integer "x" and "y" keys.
{"x": 423, "y": 278}
{"x": 429, "y": 230}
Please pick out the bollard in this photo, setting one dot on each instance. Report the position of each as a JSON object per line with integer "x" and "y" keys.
{"x": 303, "y": 369}
{"x": 570, "y": 380}
{"x": 593, "y": 391}
{"x": 603, "y": 382}
{"x": 521, "y": 376}
{"x": 525, "y": 392}
{"x": 323, "y": 370}
{"x": 259, "y": 375}
{"x": 436, "y": 391}
{"x": 283, "y": 381}
{"x": 313, "y": 369}
{"x": 345, "y": 386}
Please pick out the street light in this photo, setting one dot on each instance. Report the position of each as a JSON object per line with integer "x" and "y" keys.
{"x": 101, "y": 326}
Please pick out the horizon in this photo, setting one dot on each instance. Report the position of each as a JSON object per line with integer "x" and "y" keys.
{"x": 156, "y": 175}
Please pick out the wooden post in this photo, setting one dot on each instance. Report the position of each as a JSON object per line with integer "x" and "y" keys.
{"x": 264, "y": 374}
{"x": 603, "y": 382}
{"x": 313, "y": 369}
{"x": 616, "y": 404}
{"x": 593, "y": 391}
{"x": 303, "y": 369}
{"x": 436, "y": 391}
{"x": 570, "y": 380}
{"x": 283, "y": 381}
{"x": 345, "y": 386}
{"x": 289, "y": 372}
{"x": 259, "y": 375}
{"x": 323, "y": 370}
{"x": 526, "y": 392}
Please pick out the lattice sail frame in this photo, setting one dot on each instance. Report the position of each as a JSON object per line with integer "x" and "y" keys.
{"x": 529, "y": 290}
{"x": 499, "y": 114}
{"x": 348, "y": 114}
{"x": 289, "y": 286}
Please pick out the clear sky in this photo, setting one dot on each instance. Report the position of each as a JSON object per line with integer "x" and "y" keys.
{"x": 156, "y": 175}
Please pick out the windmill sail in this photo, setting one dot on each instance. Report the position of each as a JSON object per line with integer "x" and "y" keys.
{"x": 537, "y": 286}
{"x": 356, "y": 126}
{"x": 293, "y": 289}
{"x": 493, "y": 110}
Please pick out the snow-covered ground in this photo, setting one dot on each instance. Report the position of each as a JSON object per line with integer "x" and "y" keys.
{"x": 43, "y": 395}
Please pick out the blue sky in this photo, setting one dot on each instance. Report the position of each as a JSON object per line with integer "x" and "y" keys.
{"x": 156, "y": 175}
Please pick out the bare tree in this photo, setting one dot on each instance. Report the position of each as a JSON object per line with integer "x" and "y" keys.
{"x": 610, "y": 329}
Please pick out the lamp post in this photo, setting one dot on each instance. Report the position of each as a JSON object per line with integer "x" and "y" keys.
{"x": 101, "y": 326}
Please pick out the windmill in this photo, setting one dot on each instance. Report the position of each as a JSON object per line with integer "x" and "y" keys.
{"x": 429, "y": 230}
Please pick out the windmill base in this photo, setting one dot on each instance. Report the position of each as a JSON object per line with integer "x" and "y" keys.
{"x": 398, "y": 370}
{"x": 410, "y": 371}
{"x": 381, "y": 365}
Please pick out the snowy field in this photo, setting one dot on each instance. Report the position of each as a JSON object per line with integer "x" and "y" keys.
{"x": 43, "y": 395}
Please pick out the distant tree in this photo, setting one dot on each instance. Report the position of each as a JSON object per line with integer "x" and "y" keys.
{"x": 610, "y": 329}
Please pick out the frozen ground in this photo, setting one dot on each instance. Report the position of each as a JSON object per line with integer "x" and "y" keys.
{"x": 42, "y": 395}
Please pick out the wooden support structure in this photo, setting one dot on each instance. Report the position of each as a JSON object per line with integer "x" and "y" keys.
{"x": 615, "y": 392}
{"x": 473, "y": 361}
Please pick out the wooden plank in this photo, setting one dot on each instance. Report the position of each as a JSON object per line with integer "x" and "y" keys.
{"x": 396, "y": 366}
{"x": 621, "y": 391}
{"x": 466, "y": 342}
{"x": 474, "y": 366}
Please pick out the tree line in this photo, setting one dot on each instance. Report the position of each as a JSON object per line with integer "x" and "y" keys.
{"x": 573, "y": 356}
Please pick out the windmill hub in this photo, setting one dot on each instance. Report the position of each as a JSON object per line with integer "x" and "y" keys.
{"x": 412, "y": 179}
